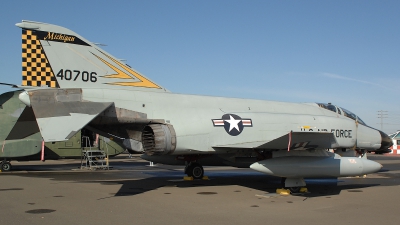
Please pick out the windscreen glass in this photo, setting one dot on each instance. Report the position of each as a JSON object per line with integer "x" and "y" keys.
{"x": 327, "y": 106}
{"x": 341, "y": 111}
{"x": 360, "y": 121}
{"x": 349, "y": 114}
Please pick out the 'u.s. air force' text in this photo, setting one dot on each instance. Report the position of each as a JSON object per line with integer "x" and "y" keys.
{"x": 339, "y": 133}
{"x": 342, "y": 133}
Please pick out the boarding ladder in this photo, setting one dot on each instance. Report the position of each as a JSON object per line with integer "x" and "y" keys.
{"x": 93, "y": 159}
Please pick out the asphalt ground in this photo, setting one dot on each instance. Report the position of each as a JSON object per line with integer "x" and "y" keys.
{"x": 132, "y": 192}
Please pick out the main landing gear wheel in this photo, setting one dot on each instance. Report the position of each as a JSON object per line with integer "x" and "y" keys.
{"x": 6, "y": 166}
{"x": 195, "y": 170}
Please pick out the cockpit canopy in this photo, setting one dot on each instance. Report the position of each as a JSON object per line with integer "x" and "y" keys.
{"x": 341, "y": 111}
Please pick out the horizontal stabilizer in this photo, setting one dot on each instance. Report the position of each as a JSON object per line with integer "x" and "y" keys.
{"x": 62, "y": 110}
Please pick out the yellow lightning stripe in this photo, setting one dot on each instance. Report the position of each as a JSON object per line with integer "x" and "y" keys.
{"x": 120, "y": 74}
{"x": 144, "y": 82}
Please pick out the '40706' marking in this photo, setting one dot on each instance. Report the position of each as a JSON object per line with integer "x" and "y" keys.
{"x": 77, "y": 74}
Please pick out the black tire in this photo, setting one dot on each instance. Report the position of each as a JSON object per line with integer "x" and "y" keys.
{"x": 6, "y": 166}
{"x": 187, "y": 169}
{"x": 195, "y": 170}
{"x": 294, "y": 189}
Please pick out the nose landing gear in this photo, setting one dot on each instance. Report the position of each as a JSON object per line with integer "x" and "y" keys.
{"x": 292, "y": 186}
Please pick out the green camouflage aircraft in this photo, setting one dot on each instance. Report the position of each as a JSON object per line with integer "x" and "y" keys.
{"x": 70, "y": 83}
{"x": 20, "y": 138}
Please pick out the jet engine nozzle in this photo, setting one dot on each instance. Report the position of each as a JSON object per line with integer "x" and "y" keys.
{"x": 158, "y": 139}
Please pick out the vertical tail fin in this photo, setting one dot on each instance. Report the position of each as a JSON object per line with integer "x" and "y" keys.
{"x": 57, "y": 57}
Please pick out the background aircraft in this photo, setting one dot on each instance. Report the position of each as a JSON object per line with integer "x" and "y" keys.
{"x": 21, "y": 140}
{"x": 80, "y": 85}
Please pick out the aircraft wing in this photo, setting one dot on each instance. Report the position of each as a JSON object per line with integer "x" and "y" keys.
{"x": 61, "y": 110}
{"x": 302, "y": 141}
{"x": 298, "y": 141}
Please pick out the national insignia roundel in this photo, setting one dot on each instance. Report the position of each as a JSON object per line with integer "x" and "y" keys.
{"x": 232, "y": 123}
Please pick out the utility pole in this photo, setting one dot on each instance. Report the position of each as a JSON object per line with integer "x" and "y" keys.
{"x": 382, "y": 114}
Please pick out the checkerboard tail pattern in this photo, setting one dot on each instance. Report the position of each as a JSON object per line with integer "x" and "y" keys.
{"x": 36, "y": 70}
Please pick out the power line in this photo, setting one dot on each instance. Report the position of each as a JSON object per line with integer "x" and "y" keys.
{"x": 382, "y": 114}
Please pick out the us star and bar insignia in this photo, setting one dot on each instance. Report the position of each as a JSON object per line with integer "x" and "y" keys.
{"x": 232, "y": 123}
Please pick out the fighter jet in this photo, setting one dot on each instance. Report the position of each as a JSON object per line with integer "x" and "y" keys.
{"x": 20, "y": 138}
{"x": 71, "y": 83}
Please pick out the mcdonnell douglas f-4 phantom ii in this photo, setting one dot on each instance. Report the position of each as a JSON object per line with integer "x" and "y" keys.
{"x": 71, "y": 83}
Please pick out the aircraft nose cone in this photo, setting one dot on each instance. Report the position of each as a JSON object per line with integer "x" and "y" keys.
{"x": 257, "y": 167}
{"x": 260, "y": 168}
{"x": 370, "y": 166}
{"x": 386, "y": 141}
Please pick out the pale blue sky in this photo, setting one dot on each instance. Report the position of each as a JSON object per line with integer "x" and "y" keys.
{"x": 344, "y": 52}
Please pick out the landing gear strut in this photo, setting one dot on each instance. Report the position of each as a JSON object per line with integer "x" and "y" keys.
{"x": 194, "y": 170}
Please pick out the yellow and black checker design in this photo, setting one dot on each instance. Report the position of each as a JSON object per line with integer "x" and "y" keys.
{"x": 36, "y": 70}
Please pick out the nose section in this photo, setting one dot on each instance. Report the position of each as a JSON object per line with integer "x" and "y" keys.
{"x": 260, "y": 168}
{"x": 386, "y": 141}
{"x": 370, "y": 166}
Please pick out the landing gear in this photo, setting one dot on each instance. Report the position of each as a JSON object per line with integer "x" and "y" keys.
{"x": 295, "y": 189}
{"x": 294, "y": 185}
{"x": 194, "y": 170}
{"x": 5, "y": 166}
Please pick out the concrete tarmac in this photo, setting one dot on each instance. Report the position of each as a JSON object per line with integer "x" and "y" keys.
{"x": 56, "y": 192}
